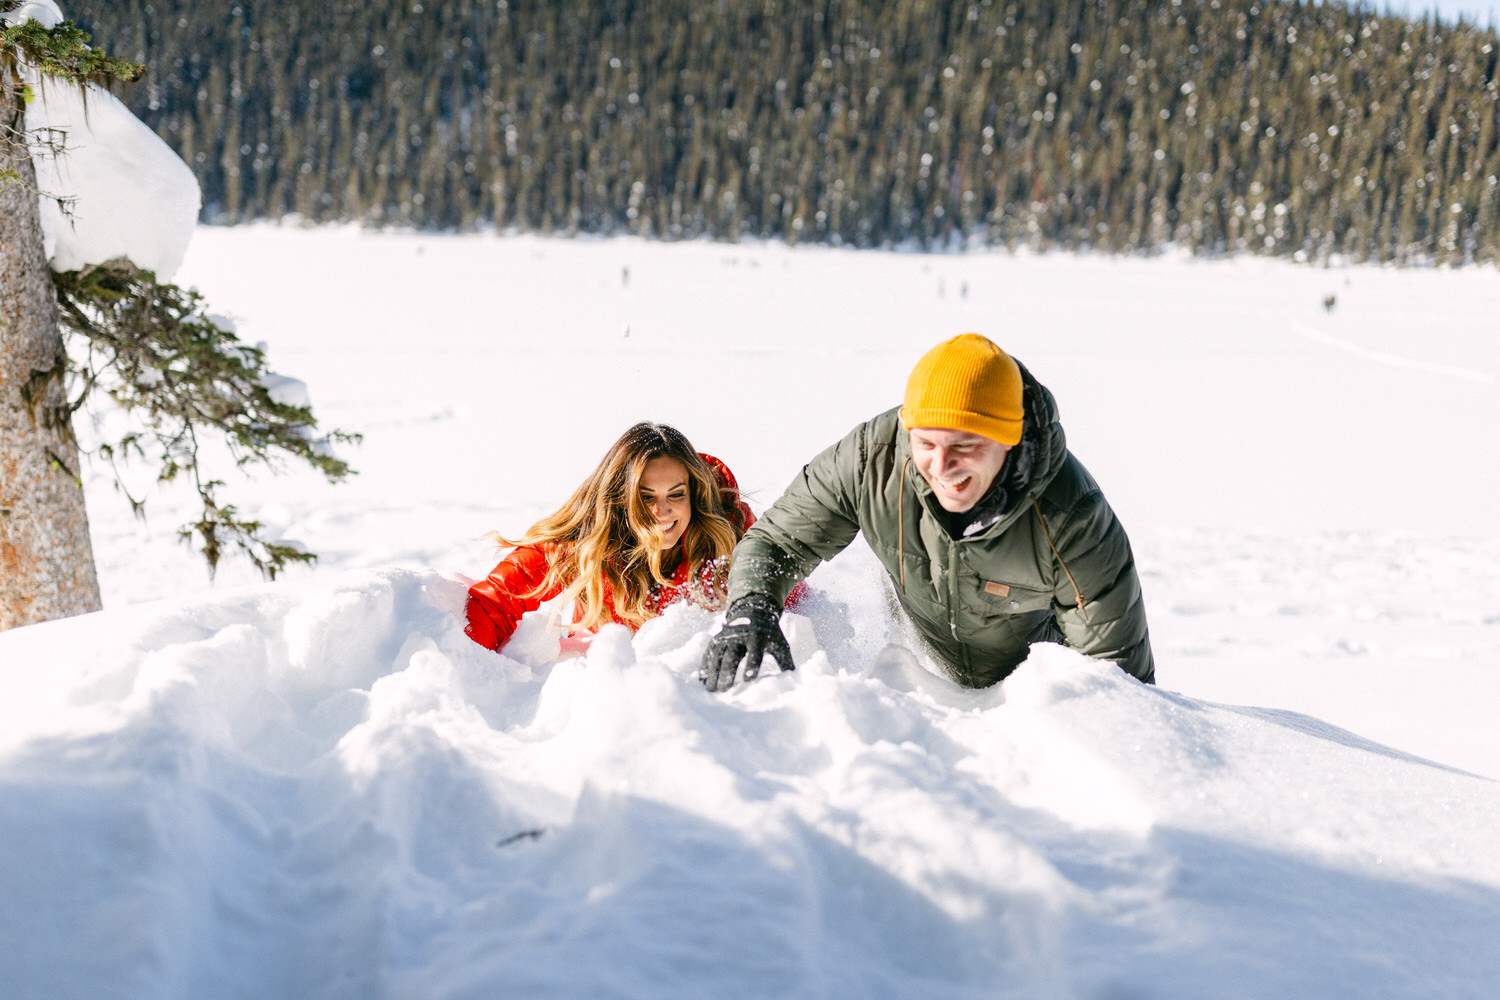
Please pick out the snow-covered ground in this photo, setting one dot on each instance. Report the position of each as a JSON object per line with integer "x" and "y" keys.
{"x": 321, "y": 788}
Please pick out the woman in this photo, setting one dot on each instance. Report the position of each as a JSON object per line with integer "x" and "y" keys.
{"x": 653, "y": 525}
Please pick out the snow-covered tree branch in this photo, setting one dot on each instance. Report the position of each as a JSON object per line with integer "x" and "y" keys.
{"x": 93, "y": 208}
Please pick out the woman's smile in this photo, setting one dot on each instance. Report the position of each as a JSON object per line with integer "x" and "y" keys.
{"x": 664, "y": 491}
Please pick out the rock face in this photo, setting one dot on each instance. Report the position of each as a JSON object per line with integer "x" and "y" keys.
{"x": 46, "y": 562}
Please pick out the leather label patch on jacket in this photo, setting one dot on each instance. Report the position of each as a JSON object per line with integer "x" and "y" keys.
{"x": 998, "y": 589}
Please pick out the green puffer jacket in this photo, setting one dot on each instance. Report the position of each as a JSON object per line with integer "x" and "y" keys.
{"x": 981, "y": 600}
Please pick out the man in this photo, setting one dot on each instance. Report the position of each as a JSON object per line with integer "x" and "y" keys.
{"x": 994, "y": 535}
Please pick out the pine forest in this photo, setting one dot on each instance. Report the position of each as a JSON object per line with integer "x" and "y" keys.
{"x": 1316, "y": 131}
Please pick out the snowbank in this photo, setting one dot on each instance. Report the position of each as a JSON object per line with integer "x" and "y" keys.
{"x": 326, "y": 790}
{"x": 109, "y": 186}
{"x": 43, "y": 12}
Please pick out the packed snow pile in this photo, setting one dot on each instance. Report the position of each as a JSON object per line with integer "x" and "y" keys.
{"x": 110, "y": 187}
{"x": 326, "y": 790}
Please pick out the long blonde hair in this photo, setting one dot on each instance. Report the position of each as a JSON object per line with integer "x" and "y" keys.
{"x": 604, "y": 539}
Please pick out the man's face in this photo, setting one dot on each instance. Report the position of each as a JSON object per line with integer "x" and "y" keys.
{"x": 958, "y": 465}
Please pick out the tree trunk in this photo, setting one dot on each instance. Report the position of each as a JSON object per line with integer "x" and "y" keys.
{"x": 46, "y": 561}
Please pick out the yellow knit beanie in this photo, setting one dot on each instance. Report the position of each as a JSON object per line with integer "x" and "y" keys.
{"x": 966, "y": 384}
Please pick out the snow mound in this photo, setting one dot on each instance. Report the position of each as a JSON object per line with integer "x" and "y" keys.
{"x": 44, "y": 12}
{"x": 110, "y": 187}
{"x": 326, "y": 790}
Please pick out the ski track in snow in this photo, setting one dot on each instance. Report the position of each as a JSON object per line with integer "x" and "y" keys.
{"x": 1393, "y": 360}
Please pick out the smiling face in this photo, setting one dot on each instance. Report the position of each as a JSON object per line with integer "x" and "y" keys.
{"x": 960, "y": 466}
{"x": 664, "y": 491}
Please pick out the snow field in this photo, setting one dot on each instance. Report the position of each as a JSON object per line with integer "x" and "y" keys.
{"x": 321, "y": 788}
{"x": 1315, "y": 527}
{"x": 325, "y": 789}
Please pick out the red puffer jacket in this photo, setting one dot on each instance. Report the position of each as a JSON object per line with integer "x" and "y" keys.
{"x": 497, "y": 602}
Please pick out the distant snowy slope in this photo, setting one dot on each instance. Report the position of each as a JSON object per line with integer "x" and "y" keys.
{"x": 325, "y": 790}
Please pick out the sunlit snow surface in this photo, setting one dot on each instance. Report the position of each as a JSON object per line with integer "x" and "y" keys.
{"x": 321, "y": 788}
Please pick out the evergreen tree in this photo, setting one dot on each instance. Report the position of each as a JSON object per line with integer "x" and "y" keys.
{"x": 147, "y": 344}
{"x": 1261, "y": 126}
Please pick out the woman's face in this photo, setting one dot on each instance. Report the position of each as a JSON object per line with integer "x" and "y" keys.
{"x": 664, "y": 491}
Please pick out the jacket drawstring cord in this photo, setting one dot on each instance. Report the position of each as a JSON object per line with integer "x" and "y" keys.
{"x": 901, "y": 525}
{"x": 1048, "y": 532}
{"x": 901, "y": 539}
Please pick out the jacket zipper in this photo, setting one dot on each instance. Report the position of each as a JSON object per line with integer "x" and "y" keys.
{"x": 952, "y": 570}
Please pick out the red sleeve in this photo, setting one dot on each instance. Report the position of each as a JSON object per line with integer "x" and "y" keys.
{"x": 799, "y": 594}
{"x": 730, "y": 489}
{"x": 497, "y": 602}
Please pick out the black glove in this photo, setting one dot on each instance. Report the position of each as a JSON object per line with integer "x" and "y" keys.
{"x": 752, "y": 629}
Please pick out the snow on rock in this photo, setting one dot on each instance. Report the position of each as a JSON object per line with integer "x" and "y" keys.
{"x": 114, "y": 189}
{"x": 326, "y": 790}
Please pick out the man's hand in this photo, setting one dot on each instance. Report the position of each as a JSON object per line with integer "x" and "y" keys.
{"x": 752, "y": 629}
